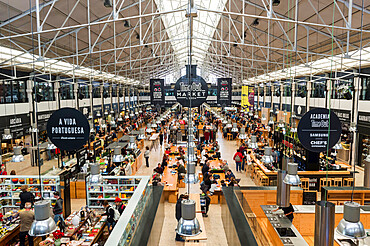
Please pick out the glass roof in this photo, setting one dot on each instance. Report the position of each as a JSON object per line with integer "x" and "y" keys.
{"x": 177, "y": 26}
{"x": 336, "y": 63}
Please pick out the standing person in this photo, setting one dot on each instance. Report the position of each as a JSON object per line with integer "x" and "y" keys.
{"x": 119, "y": 205}
{"x": 178, "y": 215}
{"x": 146, "y": 155}
{"x": 238, "y": 158}
{"x": 58, "y": 208}
{"x": 161, "y": 138}
{"x": 109, "y": 212}
{"x": 26, "y": 196}
{"x": 26, "y": 217}
{"x": 3, "y": 172}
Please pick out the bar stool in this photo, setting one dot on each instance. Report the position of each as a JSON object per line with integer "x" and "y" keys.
{"x": 305, "y": 184}
{"x": 325, "y": 182}
{"x": 229, "y": 136}
{"x": 347, "y": 181}
{"x": 337, "y": 182}
{"x": 264, "y": 180}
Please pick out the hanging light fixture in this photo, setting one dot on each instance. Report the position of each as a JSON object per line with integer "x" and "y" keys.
{"x": 154, "y": 125}
{"x": 235, "y": 128}
{"x": 191, "y": 177}
{"x": 271, "y": 122}
{"x": 92, "y": 128}
{"x": 43, "y": 224}
{"x": 132, "y": 143}
{"x": 229, "y": 125}
{"x": 250, "y": 113}
{"x": 224, "y": 121}
{"x": 149, "y": 128}
{"x": 95, "y": 177}
{"x": 292, "y": 177}
{"x": 98, "y": 114}
{"x": 351, "y": 226}
{"x": 141, "y": 134}
{"x": 7, "y": 135}
{"x": 281, "y": 124}
{"x": 17, "y": 157}
{"x": 242, "y": 134}
{"x": 338, "y": 145}
{"x": 117, "y": 157}
{"x": 188, "y": 224}
{"x": 253, "y": 144}
{"x": 103, "y": 125}
{"x": 126, "y": 115}
{"x": 51, "y": 146}
{"x": 120, "y": 119}
{"x": 263, "y": 117}
{"x": 267, "y": 157}
{"x": 106, "y": 113}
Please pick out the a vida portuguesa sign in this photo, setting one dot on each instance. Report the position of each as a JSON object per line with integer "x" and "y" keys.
{"x": 314, "y": 132}
{"x": 68, "y": 129}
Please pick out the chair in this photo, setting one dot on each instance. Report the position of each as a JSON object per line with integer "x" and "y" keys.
{"x": 337, "y": 182}
{"x": 305, "y": 184}
{"x": 325, "y": 182}
{"x": 229, "y": 136}
{"x": 264, "y": 180}
{"x": 347, "y": 182}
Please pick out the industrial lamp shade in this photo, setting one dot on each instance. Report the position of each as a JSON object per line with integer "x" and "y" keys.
{"x": 141, "y": 134}
{"x": 117, "y": 157}
{"x": 17, "y": 157}
{"x": 253, "y": 144}
{"x": 267, "y": 158}
{"x": 242, "y": 134}
{"x": 292, "y": 177}
{"x": 95, "y": 177}
{"x": 7, "y": 135}
{"x": 191, "y": 177}
{"x": 43, "y": 224}
{"x": 350, "y": 226}
{"x": 188, "y": 224}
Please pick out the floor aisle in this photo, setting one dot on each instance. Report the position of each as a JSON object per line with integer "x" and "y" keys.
{"x": 214, "y": 227}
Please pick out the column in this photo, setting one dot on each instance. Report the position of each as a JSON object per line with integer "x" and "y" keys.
{"x": 292, "y": 104}
{"x": 75, "y": 93}
{"x": 354, "y": 121}
{"x": 309, "y": 91}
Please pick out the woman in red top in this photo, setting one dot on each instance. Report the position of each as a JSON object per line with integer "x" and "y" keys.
{"x": 238, "y": 158}
{"x": 3, "y": 172}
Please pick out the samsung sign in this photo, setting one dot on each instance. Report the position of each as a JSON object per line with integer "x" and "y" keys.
{"x": 68, "y": 129}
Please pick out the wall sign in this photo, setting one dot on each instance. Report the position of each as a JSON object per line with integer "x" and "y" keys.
{"x": 247, "y": 98}
{"x": 313, "y": 130}
{"x": 224, "y": 91}
{"x": 18, "y": 124}
{"x": 81, "y": 156}
{"x": 157, "y": 91}
{"x": 68, "y": 129}
{"x": 195, "y": 90}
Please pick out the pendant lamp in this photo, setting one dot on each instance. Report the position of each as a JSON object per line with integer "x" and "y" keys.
{"x": 141, "y": 134}
{"x": 253, "y": 144}
{"x": 188, "y": 224}
{"x": 351, "y": 226}
{"x": 7, "y": 135}
{"x": 292, "y": 177}
{"x": 267, "y": 157}
{"x": 132, "y": 143}
{"x": 235, "y": 128}
{"x": 17, "y": 157}
{"x": 43, "y": 224}
{"x": 95, "y": 177}
{"x": 117, "y": 157}
{"x": 242, "y": 134}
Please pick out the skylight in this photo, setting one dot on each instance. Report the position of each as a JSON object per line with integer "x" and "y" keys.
{"x": 177, "y": 26}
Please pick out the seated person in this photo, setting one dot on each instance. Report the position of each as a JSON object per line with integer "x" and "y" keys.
{"x": 164, "y": 161}
{"x": 181, "y": 151}
{"x": 229, "y": 175}
{"x": 156, "y": 178}
{"x": 205, "y": 168}
{"x": 168, "y": 151}
{"x": 181, "y": 170}
{"x": 159, "y": 169}
{"x": 225, "y": 166}
{"x": 223, "y": 183}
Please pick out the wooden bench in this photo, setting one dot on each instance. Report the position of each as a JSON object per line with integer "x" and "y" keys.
{"x": 196, "y": 199}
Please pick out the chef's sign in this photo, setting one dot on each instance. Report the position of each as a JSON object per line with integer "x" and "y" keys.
{"x": 68, "y": 129}
{"x": 318, "y": 131}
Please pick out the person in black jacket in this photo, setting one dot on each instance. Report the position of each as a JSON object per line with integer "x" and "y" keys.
{"x": 119, "y": 205}
{"x": 26, "y": 196}
{"x": 109, "y": 212}
{"x": 178, "y": 214}
{"x": 58, "y": 208}
{"x": 205, "y": 168}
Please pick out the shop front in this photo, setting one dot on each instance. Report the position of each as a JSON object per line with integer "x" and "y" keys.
{"x": 364, "y": 137}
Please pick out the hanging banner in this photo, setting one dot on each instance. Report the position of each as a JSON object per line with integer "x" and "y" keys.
{"x": 224, "y": 91}
{"x": 68, "y": 129}
{"x": 193, "y": 92}
{"x": 313, "y": 130}
{"x": 247, "y": 98}
{"x": 157, "y": 91}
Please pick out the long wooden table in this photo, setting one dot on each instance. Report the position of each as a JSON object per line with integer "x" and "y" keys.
{"x": 196, "y": 199}
{"x": 170, "y": 180}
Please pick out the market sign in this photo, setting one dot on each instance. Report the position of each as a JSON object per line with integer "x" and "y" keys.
{"x": 224, "y": 91}
{"x": 68, "y": 129}
{"x": 313, "y": 130}
{"x": 157, "y": 91}
{"x": 191, "y": 89}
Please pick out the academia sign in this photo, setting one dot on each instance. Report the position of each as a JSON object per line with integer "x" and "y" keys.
{"x": 314, "y": 132}
{"x": 68, "y": 129}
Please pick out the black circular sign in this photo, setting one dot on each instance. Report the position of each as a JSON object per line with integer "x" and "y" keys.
{"x": 68, "y": 129}
{"x": 313, "y": 130}
{"x": 196, "y": 91}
